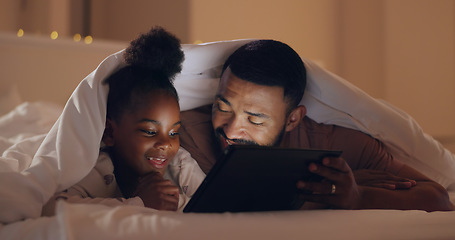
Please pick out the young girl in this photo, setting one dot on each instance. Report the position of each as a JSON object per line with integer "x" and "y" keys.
{"x": 141, "y": 162}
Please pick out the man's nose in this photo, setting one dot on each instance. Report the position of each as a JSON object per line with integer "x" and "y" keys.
{"x": 234, "y": 128}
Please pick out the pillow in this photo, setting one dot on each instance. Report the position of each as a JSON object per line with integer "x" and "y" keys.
{"x": 198, "y": 81}
{"x": 9, "y": 98}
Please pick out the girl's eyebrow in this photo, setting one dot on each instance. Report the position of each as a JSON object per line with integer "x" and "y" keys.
{"x": 150, "y": 120}
{"x": 158, "y": 122}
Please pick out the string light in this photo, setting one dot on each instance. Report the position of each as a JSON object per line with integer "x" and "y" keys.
{"x": 88, "y": 39}
{"x": 77, "y": 37}
{"x": 20, "y": 32}
{"x": 54, "y": 35}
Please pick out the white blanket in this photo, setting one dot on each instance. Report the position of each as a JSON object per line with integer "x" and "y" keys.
{"x": 22, "y": 131}
{"x": 70, "y": 149}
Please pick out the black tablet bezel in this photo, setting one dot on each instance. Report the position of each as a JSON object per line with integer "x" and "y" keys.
{"x": 255, "y": 178}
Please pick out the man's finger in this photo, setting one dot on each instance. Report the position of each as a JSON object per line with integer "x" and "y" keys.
{"x": 336, "y": 163}
{"x": 329, "y": 173}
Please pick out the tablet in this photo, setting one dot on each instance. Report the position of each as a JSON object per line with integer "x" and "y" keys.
{"x": 255, "y": 178}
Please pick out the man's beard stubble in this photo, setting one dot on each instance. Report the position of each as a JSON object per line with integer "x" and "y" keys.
{"x": 219, "y": 134}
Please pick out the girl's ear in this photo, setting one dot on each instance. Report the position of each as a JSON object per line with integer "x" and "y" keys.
{"x": 108, "y": 135}
{"x": 295, "y": 117}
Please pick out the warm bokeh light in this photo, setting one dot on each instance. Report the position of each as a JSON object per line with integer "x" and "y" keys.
{"x": 54, "y": 35}
{"x": 77, "y": 37}
{"x": 20, "y": 32}
{"x": 88, "y": 39}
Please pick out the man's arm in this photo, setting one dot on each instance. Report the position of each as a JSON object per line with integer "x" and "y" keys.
{"x": 377, "y": 178}
{"x": 425, "y": 195}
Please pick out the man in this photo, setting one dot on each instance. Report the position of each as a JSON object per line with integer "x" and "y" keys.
{"x": 257, "y": 102}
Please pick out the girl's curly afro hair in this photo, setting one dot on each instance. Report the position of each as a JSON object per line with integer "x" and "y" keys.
{"x": 153, "y": 59}
{"x": 157, "y": 51}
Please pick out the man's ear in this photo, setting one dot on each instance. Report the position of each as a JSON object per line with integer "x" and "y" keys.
{"x": 295, "y": 117}
{"x": 108, "y": 135}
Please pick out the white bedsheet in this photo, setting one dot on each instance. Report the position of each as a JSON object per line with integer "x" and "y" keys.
{"x": 70, "y": 150}
{"x": 78, "y": 221}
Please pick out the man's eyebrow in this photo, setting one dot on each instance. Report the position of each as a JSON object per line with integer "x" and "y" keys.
{"x": 260, "y": 115}
{"x": 218, "y": 96}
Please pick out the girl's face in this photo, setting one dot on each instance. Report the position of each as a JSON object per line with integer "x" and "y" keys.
{"x": 146, "y": 137}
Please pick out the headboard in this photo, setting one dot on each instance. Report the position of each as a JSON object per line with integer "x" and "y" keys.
{"x": 39, "y": 68}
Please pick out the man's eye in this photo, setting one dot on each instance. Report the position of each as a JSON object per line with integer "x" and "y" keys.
{"x": 221, "y": 109}
{"x": 255, "y": 122}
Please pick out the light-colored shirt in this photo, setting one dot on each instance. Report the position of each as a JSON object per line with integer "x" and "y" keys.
{"x": 100, "y": 185}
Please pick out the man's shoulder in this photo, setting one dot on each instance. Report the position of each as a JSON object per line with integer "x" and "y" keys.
{"x": 196, "y": 123}
{"x": 360, "y": 150}
{"x": 196, "y": 135}
{"x": 200, "y": 114}
{"x": 312, "y": 127}
{"x": 311, "y": 134}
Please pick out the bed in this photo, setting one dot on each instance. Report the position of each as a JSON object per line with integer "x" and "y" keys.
{"x": 48, "y": 147}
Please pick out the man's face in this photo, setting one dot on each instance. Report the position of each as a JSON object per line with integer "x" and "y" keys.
{"x": 248, "y": 113}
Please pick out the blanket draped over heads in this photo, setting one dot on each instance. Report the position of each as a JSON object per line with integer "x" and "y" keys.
{"x": 71, "y": 147}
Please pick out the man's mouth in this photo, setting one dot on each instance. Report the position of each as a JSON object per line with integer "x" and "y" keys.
{"x": 225, "y": 141}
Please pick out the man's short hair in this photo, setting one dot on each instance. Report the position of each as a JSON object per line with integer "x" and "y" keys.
{"x": 270, "y": 63}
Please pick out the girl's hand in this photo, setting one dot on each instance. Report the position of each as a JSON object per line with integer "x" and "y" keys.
{"x": 157, "y": 193}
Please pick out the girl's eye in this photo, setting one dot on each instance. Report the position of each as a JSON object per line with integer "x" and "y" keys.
{"x": 148, "y": 132}
{"x": 174, "y": 134}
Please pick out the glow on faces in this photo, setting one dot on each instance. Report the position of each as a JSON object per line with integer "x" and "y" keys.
{"x": 248, "y": 113}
